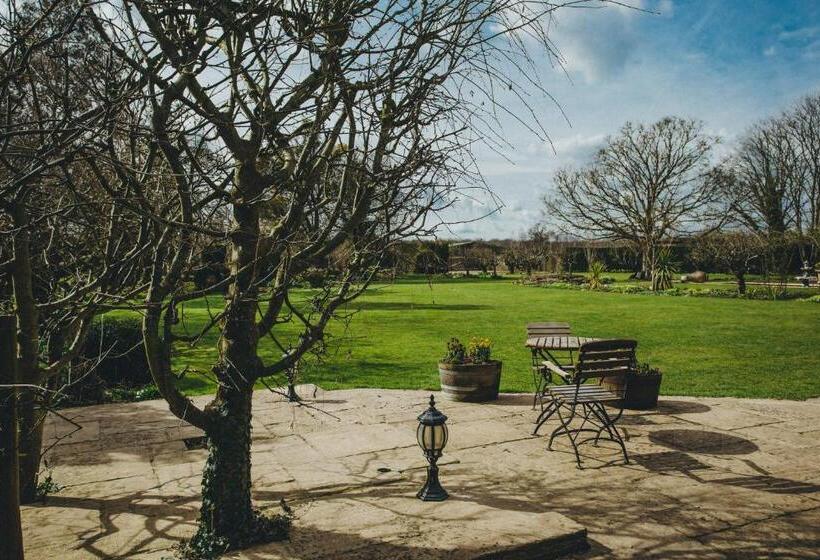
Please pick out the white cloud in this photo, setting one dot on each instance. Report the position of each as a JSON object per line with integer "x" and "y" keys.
{"x": 801, "y": 34}
{"x": 659, "y": 67}
{"x": 805, "y": 39}
{"x": 596, "y": 43}
{"x": 579, "y": 145}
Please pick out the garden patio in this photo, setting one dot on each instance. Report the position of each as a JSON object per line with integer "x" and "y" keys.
{"x": 709, "y": 478}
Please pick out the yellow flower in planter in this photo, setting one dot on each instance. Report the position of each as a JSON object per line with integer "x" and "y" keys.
{"x": 479, "y": 350}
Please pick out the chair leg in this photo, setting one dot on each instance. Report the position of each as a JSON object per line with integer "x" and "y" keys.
{"x": 560, "y": 429}
{"x": 565, "y": 428}
{"x": 537, "y": 381}
{"x": 544, "y": 416}
{"x": 618, "y": 437}
{"x": 603, "y": 421}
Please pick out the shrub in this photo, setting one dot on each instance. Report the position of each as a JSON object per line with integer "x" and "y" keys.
{"x": 128, "y": 394}
{"x": 313, "y": 278}
{"x": 562, "y": 286}
{"x": 117, "y": 344}
{"x": 47, "y": 486}
{"x": 676, "y": 292}
{"x": 629, "y": 289}
{"x": 112, "y": 365}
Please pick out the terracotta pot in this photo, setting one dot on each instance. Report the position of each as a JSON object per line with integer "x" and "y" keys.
{"x": 641, "y": 391}
{"x": 470, "y": 382}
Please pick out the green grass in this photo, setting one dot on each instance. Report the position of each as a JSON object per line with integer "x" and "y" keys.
{"x": 705, "y": 346}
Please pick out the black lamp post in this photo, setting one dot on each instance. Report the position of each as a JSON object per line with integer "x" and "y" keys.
{"x": 432, "y": 437}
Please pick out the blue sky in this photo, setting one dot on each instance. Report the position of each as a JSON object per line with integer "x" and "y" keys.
{"x": 729, "y": 63}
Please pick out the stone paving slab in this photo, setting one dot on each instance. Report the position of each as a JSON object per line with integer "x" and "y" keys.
{"x": 393, "y": 524}
{"x": 709, "y": 478}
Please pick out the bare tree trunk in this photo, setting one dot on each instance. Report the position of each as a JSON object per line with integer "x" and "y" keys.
{"x": 226, "y": 513}
{"x": 11, "y": 535}
{"x": 648, "y": 256}
{"x": 741, "y": 283}
{"x": 31, "y": 418}
{"x": 28, "y": 370}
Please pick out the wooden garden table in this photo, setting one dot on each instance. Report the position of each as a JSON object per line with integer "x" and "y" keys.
{"x": 543, "y": 346}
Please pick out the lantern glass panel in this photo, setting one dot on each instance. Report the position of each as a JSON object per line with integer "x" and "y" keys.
{"x": 432, "y": 438}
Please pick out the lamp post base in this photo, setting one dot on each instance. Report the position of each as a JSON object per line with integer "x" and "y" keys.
{"x": 432, "y": 490}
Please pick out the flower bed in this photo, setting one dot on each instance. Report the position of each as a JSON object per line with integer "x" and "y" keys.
{"x": 755, "y": 293}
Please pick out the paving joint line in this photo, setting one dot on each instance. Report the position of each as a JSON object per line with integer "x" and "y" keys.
{"x": 753, "y": 522}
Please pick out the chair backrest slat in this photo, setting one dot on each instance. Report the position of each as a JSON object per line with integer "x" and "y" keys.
{"x": 613, "y": 363}
{"x": 548, "y": 329}
{"x": 606, "y": 358}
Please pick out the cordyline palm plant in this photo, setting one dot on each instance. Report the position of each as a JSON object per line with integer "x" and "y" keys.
{"x": 663, "y": 271}
{"x": 294, "y": 129}
{"x": 595, "y": 278}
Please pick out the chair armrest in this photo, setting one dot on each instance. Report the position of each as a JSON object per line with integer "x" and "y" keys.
{"x": 558, "y": 370}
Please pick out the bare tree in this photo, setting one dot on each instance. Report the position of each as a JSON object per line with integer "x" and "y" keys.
{"x": 535, "y": 248}
{"x": 646, "y": 185}
{"x": 66, "y": 250}
{"x": 730, "y": 251}
{"x": 803, "y": 124}
{"x": 328, "y": 123}
{"x": 765, "y": 176}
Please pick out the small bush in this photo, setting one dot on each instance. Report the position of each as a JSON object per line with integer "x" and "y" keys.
{"x": 313, "y": 278}
{"x": 263, "y": 528}
{"x": 629, "y": 289}
{"x": 47, "y": 486}
{"x": 112, "y": 366}
{"x": 118, "y": 343}
{"x": 129, "y": 394}
{"x": 764, "y": 293}
{"x": 562, "y": 286}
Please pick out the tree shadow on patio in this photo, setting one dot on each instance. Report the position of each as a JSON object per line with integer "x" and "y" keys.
{"x": 703, "y": 441}
{"x": 679, "y": 462}
{"x": 153, "y": 520}
{"x": 672, "y": 407}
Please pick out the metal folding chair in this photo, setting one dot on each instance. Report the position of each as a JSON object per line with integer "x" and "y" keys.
{"x": 613, "y": 360}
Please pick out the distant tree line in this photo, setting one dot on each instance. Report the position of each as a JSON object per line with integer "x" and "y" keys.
{"x": 649, "y": 186}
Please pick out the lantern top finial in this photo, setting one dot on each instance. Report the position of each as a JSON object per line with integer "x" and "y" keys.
{"x": 432, "y": 416}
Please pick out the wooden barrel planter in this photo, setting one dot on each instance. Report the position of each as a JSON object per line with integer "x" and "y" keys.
{"x": 470, "y": 382}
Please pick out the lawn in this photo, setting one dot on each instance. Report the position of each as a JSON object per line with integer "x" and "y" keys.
{"x": 705, "y": 346}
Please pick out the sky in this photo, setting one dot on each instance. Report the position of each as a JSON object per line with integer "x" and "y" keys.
{"x": 728, "y": 63}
